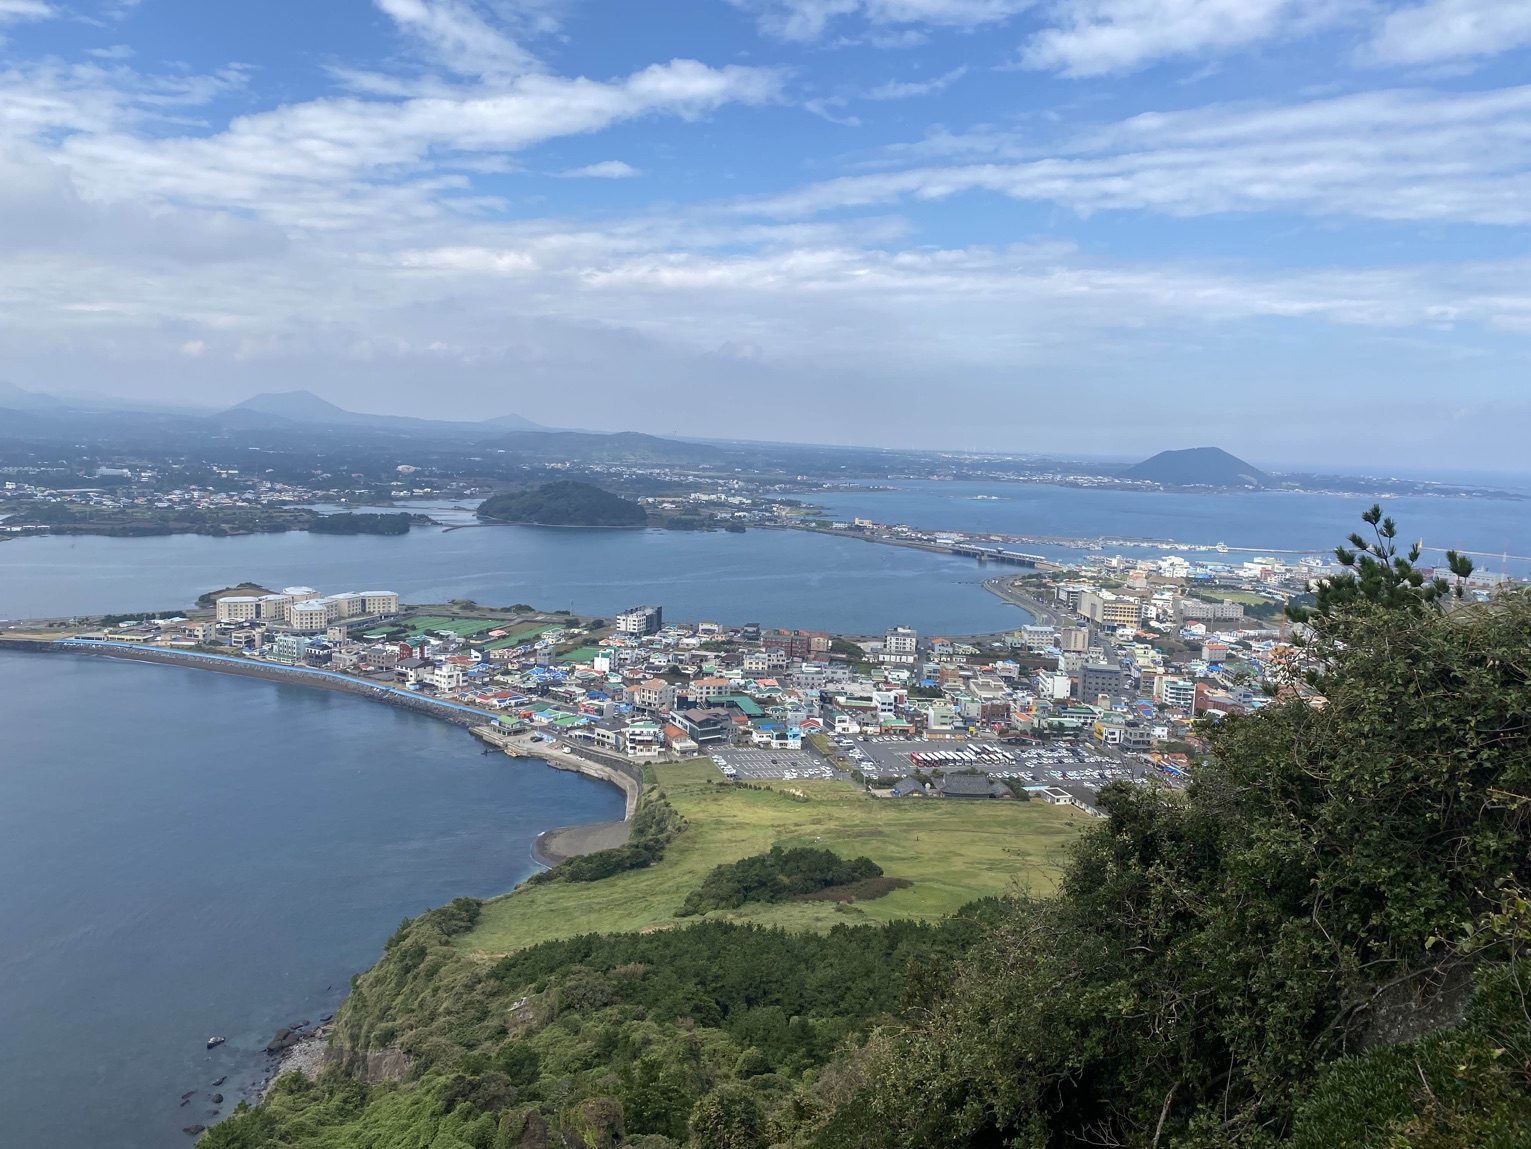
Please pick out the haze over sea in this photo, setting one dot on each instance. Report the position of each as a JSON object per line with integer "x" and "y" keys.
{"x": 189, "y": 854}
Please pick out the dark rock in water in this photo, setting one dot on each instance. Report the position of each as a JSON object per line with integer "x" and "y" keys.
{"x": 217, "y": 1099}
{"x": 299, "y": 1024}
{"x": 285, "y": 1038}
{"x": 219, "y": 1082}
{"x": 188, "y": 1095}
{"x": 329, "y": 1017}
{"x": 193, "y": 1130}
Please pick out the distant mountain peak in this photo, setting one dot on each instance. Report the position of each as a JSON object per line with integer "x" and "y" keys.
{"x": 293, "y": 405}
{"x": 1198, "y": 467}
{"x": 16, "y": 398}
{"x": 305, "y": 406}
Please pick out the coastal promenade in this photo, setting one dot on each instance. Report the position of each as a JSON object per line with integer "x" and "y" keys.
{"x": 1041, "y": 612}
{"x": 296, "y": 675}
{"x": 550, "y": 847}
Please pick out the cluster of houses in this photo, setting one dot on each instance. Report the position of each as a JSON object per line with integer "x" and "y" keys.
{"x": 1137, "y": 657}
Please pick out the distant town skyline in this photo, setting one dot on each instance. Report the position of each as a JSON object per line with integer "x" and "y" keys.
{"x": 1293, "y": 228}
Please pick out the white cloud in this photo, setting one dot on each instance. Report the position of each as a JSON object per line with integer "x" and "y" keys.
{"x": 1095, "y": 37}
{"x": 605, "y": 170}
{"x": 1441, "y": 30}
{"x": 16, "y": 11}
{"x": 1395, "y": 155}
{"x": 456, "y": 35}
{"x": 327, "y": 162}
{"x": 806, "y": 20}
{"x": 903, "y": 90}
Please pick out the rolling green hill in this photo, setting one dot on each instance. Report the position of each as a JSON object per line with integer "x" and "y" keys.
{"x": 564, "y": 504}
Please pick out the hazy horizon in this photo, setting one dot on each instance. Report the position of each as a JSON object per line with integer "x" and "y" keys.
{"x": 1088, "y": 226}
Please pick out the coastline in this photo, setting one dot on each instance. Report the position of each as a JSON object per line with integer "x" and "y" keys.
{"x": 226, "y": 664}
{"x": 310, "y": 1053}
{"x": 306, "y": 1056}
{"x": 559, "y": 845}
{"x": 624, "y": 775}
{"x": 619, "y": 772}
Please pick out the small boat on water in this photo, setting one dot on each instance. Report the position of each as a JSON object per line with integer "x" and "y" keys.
{"x": 214, "y": 1042}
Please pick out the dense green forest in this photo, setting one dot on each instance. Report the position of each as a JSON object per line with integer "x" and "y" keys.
{"x": 564, "y": 504}
{"x": 775, "y": 877}
{"x": 1321, "y": 944}
{"x": 601, "y": 1041}
{"x": 361, "y": 524}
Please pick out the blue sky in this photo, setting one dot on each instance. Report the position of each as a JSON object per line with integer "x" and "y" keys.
{"x": 1294, "y": 228}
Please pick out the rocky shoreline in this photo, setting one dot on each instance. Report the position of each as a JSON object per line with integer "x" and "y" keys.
{"x": 306, "y": 1055}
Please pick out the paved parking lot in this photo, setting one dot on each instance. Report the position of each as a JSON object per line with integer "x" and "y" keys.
{"x": 1042, "y": 765}
{"x": 736, "y": 763}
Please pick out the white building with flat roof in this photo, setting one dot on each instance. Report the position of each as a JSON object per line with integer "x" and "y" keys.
{"x": 238, "y": 608}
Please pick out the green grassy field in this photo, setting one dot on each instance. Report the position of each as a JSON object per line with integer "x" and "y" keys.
{"x": 463, "y": 627}
{"x": 519, "y": 635}
{"x": 953, "y": 851}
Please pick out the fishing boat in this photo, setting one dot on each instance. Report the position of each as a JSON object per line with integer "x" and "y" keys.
{"x": 214, "y": 1042}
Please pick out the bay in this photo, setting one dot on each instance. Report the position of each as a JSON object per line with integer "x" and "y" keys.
{"x": 184, "y": 854}
{"x": 778, "y": 578}
{"x": 1249, "y": 522}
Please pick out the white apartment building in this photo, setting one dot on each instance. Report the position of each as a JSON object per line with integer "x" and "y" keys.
{"x": 239, "y": 608}
{"x": 641, "y": 620}
{"x": 313, "y": 615}
{"x": 900, "y": 646}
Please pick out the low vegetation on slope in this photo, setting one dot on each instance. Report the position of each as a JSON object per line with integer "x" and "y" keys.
{"x": 953, "y": 853}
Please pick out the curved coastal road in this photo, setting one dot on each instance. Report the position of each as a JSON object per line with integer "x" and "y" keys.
{"x": 1043, "y": 613}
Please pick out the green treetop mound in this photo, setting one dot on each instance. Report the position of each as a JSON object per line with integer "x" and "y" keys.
{"x": 564, "y": 504}
{"x": 363, "y": 524}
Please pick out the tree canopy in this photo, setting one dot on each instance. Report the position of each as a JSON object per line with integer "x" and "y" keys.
{"x": 564, "y": 504}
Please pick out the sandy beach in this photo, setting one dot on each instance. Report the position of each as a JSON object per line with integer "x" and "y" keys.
{"x": 554, "y": 846}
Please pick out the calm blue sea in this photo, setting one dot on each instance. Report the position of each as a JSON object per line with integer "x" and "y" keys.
{"x": 778, "y": 578}
{"x": 1251, "y": 522}
{"x": 184, "y": 854}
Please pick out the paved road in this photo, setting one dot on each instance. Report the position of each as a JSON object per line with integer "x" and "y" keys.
{"x": 1044, "y": 614}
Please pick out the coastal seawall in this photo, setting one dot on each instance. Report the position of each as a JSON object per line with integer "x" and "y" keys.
{"x": 617, "y": 772}
{"x": 294, "y": 675}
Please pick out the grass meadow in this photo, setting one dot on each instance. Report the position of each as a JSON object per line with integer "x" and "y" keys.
{"x": 952, "y": 850}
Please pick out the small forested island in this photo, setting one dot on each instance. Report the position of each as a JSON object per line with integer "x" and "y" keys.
{"x": 563, "y": 504}
{"x": 361, "y": 524}
{"x": 135, "y": 521}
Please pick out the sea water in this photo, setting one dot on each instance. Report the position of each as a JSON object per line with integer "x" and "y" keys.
{"x": 186, "y": 854}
